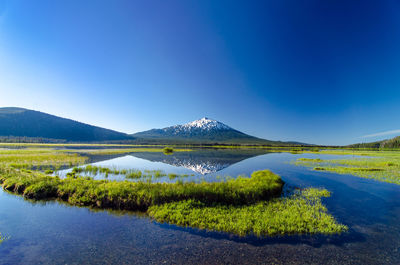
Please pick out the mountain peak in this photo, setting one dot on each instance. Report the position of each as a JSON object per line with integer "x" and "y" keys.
{"x": 206, "y": 124}
{"x": 204, "y": 130}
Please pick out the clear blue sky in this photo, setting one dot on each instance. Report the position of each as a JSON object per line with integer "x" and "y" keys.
{"x": 324, "y": 72}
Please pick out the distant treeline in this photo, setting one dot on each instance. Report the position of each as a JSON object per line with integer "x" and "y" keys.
{"x": 23, "y": 139}
{"x": 393, "y": 143}
{"x": 42, "y": 140}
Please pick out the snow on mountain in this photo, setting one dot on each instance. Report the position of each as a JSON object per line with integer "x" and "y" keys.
{"x": 204, "y": 130}
{"x": 204, "y": 124}
{"x": 207, "y": 124}
{"x": 203, "y": 167}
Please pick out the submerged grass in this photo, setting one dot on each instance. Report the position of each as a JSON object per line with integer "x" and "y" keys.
{"x": 128, "y": 173}
{"x": 300, "y": 213}
{"x": 379, "y": 165}
{"x": 310, "y": 160}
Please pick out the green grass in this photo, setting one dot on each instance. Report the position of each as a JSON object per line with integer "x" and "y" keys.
{"x": 128, "y": 173}
{"x": 241, "y": 206}
{"x": 310, "y": 160}
{"x": 301, "y": 213}
{"x": 44, "y": 159}
{"x": 48, "y": 159}
{"x": 379, "y": 165}
{"x": 168, "y": 150}
{"x": 127, "y": 195}
{"x": 78, "y": 145}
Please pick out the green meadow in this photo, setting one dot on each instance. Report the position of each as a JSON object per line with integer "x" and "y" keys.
{"x": 31, "y": 158}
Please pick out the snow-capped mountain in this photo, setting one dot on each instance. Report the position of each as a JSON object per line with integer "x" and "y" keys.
{"x": 202, "y": 167}
{"x": 204, "y": 130}
{"x": 204, "y": 124}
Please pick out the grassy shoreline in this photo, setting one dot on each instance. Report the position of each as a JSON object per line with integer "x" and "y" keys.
{"x": 253, "y": 205}
{"x": 241, "y": 206}
{"x": 48, "y": 158}
{"x": 40, "y": 158}
{"x": 378, "y": 165}
{"x": 205, "y": 145}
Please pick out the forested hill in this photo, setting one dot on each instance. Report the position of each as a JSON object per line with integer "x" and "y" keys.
{"x": 393, "y": 143}
{"x": 18, "y": 122}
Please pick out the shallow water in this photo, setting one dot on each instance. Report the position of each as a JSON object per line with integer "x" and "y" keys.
{"x": 55, "y": 233}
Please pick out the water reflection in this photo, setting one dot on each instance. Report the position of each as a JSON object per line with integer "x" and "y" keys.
{"x": 202, "y": 162}
{"x": 55, "y": 233}
{"x": 197, "y": 166}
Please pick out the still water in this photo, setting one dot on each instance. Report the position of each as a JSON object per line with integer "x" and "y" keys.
{"x": 55, "y": 233}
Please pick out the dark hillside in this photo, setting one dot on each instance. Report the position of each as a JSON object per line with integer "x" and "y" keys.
{"x": 18, "y": 122}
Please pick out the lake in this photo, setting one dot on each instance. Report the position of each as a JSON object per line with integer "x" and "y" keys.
{"x": 55, "y": 233}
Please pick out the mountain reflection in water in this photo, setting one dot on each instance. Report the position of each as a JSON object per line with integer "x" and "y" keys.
{"x": 203, "y": 161}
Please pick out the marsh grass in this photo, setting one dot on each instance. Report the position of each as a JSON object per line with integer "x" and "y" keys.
{"x": 40, "y": 159}
{"x": 241, "y": 206}
{"x": 128, "y": 173}
{"x": 379, "y": 165}
{"x": 300, "y": 213}
{"x": 127, "y": 195}
{"x": 310, "y": 160}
